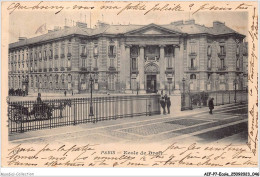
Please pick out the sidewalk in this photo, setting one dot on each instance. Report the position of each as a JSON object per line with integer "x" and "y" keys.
{"x": 80, "y": 128}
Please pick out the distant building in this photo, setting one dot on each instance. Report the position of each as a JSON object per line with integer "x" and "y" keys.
{"x": 122, "y": 58}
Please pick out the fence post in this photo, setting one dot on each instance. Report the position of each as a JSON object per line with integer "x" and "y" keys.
{"x": 229, "y": 96}
{"x": 146, "y": 106}
{"x": 216, "y": 98}
{"x": 21, "y": 124}
{"x": 223, "y": 98}
{"x": 241, "y": 93}
{"x": 150, "y": 106}
{"x": 51, "y": 101}
{"x": 75, "y": 111}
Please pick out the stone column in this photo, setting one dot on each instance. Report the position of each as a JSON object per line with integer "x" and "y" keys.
{"x": 127, "y": 69}
{"x": 141, "y": 69}
{"x": 162, "y": 68}
{"x": 177, "y": 68}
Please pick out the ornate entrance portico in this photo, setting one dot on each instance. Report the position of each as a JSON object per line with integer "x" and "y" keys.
{"x": 151, "y": 54}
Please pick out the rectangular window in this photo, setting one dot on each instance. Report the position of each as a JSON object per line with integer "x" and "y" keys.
{"x": 222, "y": 63}
{"x": 50, "y": 53}
{"x": 209, "y": 75}
{"x": 62, "y": 51}
{"x": 69, "y": 64}
{"x": 134, "y": 64}
{"x": 192, "y": 63}
{"x": 192, "y": 48}
{"x": 83, "y": 50}
{"x": 84, "y": 63}
{"x": 112, "y": 60}
{"x": 222, "y": 50}
{"x": 95, "y": 50}
{"x": 111, "y": 50}
{"x": 209, "y": 62}
{"x": 69, "y": 49}
{"x": 169, "y": 62}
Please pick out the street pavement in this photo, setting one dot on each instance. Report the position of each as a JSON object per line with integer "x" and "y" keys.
{"x": 228, "y": 124}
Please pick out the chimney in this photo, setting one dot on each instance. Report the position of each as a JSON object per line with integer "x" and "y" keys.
{"x": 101, "y": 24}
{"x": 56, "y": 28}
{"x": 217, "y": 24}
{"x": 22, "y": 38}
{"x": 81, "y": 25}
{"x": 180, "y": 22}
{"x": 190, "y": 22}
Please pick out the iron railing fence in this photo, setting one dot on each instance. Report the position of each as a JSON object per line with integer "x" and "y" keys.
{"x": 32, "y": 115}
{"x": 191, "y": 100}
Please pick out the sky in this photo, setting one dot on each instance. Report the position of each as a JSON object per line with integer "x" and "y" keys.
{"x": 25, "y": 24}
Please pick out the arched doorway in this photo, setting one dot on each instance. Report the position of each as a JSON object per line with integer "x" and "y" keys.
{"x": 151, "y": 71}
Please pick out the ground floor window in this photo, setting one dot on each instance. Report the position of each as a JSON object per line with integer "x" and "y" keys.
{"x": 111, "y": 82}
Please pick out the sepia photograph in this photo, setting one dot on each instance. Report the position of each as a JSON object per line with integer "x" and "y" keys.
{"x": 123, "y": 81}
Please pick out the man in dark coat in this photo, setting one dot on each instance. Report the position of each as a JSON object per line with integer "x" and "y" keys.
{"x": 211, "y": 105}
{"x": 162, "y": 102}
{"x": 168, "y": 104}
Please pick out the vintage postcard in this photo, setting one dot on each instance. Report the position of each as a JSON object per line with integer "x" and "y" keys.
{"x": 130, "y": 84}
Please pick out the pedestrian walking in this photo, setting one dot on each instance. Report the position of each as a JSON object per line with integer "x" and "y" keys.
{"x": 211, "y": 105}
{"x": 65, "y": 93}
{"x": 161, "y": 92}
{"x": 168, "y": 104}
{"x": 39, "y": 100}
{"x": 162, "y": 102}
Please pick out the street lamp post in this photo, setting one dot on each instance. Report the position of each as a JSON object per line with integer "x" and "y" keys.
{"x": 169, "y": 82}
{"x": 91, "y": 104}
{"x": 183, "y": 94}
{"x": 235, "y": 91}
{"x": 137, "y": 84}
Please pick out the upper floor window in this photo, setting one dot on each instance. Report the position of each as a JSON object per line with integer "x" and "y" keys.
{"x": 238, "y": 49}
{"x": 209, "y": 76}
{"x": 169, "y": 51}
{"x": 209, "y": 50}
{"x": 192, "y": 48}
{"x": 95, "y": 50}
{"x": 62, "y": 51}
{"x": 112, "y": 50}
{"x": 152, "y": 52}
{"x": 134, "y": 64}
{"x": 50, "y": 53}
{"x": 222, "y": 50}
{"x": 134, "y": 51}
{"x": 84, "y": 50}
{"x": 40, "y": 55}
{"x": 193, "y": 76}
{"x": 192, "y": 62}
{"x": 69, "y": 49}
{"x": 44, "y": 55}
{"x": 209, "y": 62}
{"x": 222, "y": 63}
{"x": 84, "y": 63}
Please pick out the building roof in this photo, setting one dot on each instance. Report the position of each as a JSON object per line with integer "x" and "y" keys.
{"x": 190, "y": 29}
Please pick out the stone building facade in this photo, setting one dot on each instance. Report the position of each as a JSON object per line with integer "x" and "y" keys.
{"x": 124, "y": 58}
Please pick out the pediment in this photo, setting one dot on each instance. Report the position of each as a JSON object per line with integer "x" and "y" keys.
{"x": 152, "y": 29}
